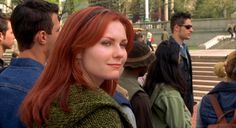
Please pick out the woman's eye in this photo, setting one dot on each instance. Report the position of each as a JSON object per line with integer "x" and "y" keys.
{"x": 106, "y": 43}
{"x": 124, "y": 45}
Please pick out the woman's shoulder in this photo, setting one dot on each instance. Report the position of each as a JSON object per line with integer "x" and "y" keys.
{"x": 84, "y": 103}
{"x": 81, "y": 97}
{"x": 164, "y": 92}
{"x": 168, "y": 90}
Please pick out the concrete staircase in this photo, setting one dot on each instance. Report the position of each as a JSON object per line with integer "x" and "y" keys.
{"x": 204, "y": 78}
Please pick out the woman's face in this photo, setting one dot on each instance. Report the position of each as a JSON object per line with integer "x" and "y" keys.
{"x": 104, "y": 60}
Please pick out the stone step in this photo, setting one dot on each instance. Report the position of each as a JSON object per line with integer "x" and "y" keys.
{"x": 201, "y": 77}
{"x": 202, "y": 87}
{"x": 197, "y": 99}
{"x": 211, "y": 64}
{"x": 203, "y": 73}
{"x": 198, "y": 93}
{"x": 205, "y": 82}
{"x": 208, "y": 58}
{"x": 202, "y": 68}
{"x": 204, "y": 78}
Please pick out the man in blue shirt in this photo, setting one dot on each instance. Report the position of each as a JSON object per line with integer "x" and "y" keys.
{"x": 36, "y": 26}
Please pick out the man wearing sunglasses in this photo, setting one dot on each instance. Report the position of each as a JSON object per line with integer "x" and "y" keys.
{"x": 181, "y": 28}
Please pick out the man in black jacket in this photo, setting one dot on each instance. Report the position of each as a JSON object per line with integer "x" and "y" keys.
{"x": 181, "y": 28}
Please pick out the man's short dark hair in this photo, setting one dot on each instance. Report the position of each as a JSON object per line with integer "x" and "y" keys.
{"x": 3, "y": 23}
{"x": 179, "y": 18}
{"x": 30, "y": 17}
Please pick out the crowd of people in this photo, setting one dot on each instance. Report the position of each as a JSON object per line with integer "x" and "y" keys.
{"x": 95, "y": 71}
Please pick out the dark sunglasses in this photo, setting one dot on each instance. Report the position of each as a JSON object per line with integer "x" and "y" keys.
{"x": 187, "y": 26}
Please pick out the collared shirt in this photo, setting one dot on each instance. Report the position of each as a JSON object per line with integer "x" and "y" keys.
{"x": 183, "y": 52}
{"x": 15, "y": 81}
{"x": 125, "y": 107}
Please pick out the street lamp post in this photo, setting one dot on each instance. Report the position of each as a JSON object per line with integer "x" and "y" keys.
{"x": 146, "y": 10}
{"x": 166, "y": 10}
{"x": 172, "y": 7}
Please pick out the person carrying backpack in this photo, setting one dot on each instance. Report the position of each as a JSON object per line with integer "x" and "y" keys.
{"x": 225, "y": 94}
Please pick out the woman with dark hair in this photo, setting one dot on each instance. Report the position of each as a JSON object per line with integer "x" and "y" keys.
{"x": 76, "y": 86}
{"x": 166, "y": 88}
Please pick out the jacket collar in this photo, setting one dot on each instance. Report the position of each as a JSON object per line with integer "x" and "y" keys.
{"x": 26, "y": 62}
{"x": 182, "y": 47}
{"x": 224, "y": 87}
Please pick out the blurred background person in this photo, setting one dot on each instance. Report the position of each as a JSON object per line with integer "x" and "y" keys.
{"x": 164, "y": 35}
{"x": 7, "y": 38}
{"x": 230, "y": 30}
{"x": 136, "y": 65}
{"x": 234, "y": 29}
{"x": 149, "y": 40}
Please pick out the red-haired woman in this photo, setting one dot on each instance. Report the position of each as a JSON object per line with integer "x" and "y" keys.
{"x": 74, "y": 89}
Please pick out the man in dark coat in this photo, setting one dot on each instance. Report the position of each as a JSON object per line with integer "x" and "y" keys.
{"x": 181, "y": 28}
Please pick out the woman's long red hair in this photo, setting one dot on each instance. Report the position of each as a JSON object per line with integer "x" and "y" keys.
{"x": 81, "y": 30}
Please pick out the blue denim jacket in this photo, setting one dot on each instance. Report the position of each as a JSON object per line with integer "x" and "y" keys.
{"x": 15, "y": 82}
